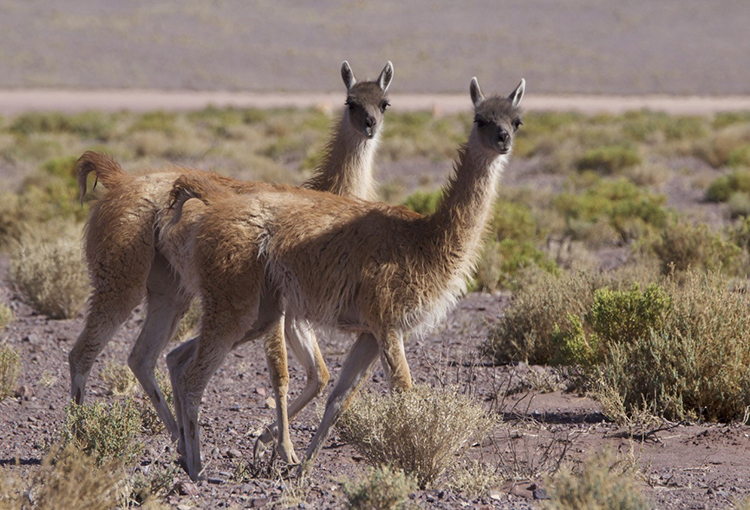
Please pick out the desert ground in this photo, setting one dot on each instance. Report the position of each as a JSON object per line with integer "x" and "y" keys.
{"x": 632, "y": 168}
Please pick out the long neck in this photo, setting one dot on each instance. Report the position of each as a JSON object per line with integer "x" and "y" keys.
{"x": 459, "y": 222}
{"x": 346, "y": 167}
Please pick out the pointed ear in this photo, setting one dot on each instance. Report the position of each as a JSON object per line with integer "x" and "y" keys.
{"x": 516, "y": 96}
{"x": 386, "y": 75}
{"x": 347, "y": 75}
{"x": 476, "y": 93}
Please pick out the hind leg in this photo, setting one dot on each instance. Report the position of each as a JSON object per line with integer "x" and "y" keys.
{"x": 304, "y": 346}
{"x": 166, "y": 306}
{"x": 107, "y": 310}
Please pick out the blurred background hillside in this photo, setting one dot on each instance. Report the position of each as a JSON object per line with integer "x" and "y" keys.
{"x": 569, "y": 46}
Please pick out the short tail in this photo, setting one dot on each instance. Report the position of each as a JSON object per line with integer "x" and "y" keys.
{"x": 193, "y": 186}
{"x": 104, "y": 167}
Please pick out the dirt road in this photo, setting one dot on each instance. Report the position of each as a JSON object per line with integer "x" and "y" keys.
{"x": 13, "y": 102}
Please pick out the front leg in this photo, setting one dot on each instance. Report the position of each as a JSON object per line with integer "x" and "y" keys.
{"x": 362, "y": 355}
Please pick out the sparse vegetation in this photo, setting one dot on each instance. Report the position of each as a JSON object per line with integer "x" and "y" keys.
{"x": 6, "y": 316}
{"x": 119, "y": 379}
{"x": 600, "y": 484}
{"x": 48, "y": 272}
{"x": 10, "y": 369}
{"x": 418, "y": 431}
{"x": 104, "y": 431}
{"x": 382, "y": 487}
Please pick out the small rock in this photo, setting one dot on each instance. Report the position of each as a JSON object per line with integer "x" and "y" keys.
{"x": 496, "y": 494}
{"x": 271, "y": 403}
{"x": 234, "y": 453}
{"x": 261, "y": 391}
{"x": 25, "y": 392}
{"x": 183, "y": 507}
{"x": 32, "y": 338}
{"x": 258, "y": 502}
{"x": 186, "y": 489}
{"x": 540, "y": 493}
{"x": 215, "y": 481}
{"x": 247, "y": 488}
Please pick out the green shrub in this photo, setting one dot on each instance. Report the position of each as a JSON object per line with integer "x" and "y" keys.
{"x": 631, "y": 211}
{"x": 48, "y": 272}
{"x": 10, "y": 369}
{"x": 599, "y": 485}
{"x": 609, "y": 160}
{"x": 381, "y": 488}
{"x": 424, "y": 202}
{"x": 723, "y": 187}
{"x": 104, "y": 431}
{"x": 619, "y": 316}
{"x": 740, "y": 157}
{"x": 739, "y": 204}
{"x": 419, "y": 430}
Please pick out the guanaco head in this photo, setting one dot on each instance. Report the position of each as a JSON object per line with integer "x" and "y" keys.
{"x": 497, "y": 118}
{"x": 366, "y": 101}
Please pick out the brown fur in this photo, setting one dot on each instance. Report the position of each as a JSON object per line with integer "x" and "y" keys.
{"x": 336, "y": 261}
{"x": 126, "y": 265}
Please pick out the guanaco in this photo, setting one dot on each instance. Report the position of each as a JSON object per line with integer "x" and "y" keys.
{"x": 126, "y": 264}
{"x": 365, "y": 267}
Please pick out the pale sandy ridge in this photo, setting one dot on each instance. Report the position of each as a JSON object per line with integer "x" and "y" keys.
{"x": 70, "y": 101}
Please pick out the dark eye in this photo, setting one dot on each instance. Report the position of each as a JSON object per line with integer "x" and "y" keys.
{"x": 349, "y": 104}
{"x": 384, "y": 105}
{"x": 517, "y": 124}
{"x": 481, "y": 122}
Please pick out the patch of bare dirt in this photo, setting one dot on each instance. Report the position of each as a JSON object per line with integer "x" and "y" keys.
{"x": 689, "y": 466}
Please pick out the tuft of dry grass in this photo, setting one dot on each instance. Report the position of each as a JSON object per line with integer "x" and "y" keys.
{"x": 541, "y": 306}
{"x": 600, "y": 484}
{"x": 475, "y": 478}
{"x": 104, "y": 431}
{"x": 6, "y": 316}
{"x": 382, "y": 487}
{"x": 10, "y": 368}
{"x": 48, "y": 272}
{"x": 118, "y": 379}
{"x": 67, "y": 478}
{"x": 418, "y": 431}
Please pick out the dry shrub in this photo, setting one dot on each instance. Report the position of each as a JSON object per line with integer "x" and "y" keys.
{"x": 601, "y": 484}
{"x": 418, "y": 431}
{"x": 104, "y": 431}
{"x": 693, "y": 365}
{"x": 6, "y": 316}
{"x": 682, "y": 246}
{"x": 66, "y": 479}
{"x": 10, "y": 368}
{"x": 118, "y": 379}
{"x": 724, "y": 144}
{"x": 48, "y": 272}
{"x": 382, "y": 487}
{"x": 475, "y": 478}
{"x": 541, "y": 305}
